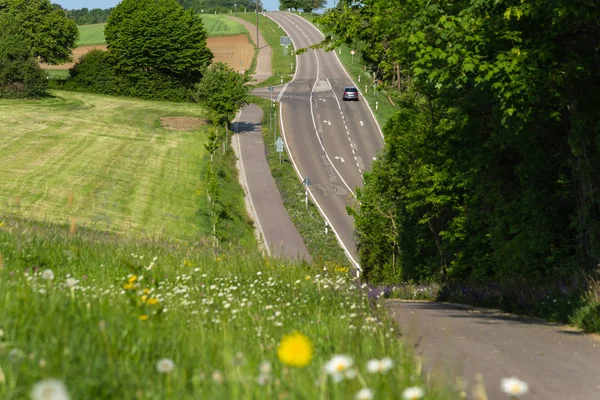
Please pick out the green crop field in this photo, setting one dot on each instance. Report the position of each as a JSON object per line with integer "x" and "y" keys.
{"x": 216, "y": 25}
{"x": 91, "y": 35}
{"x": 221, "y": 25}
{"x": 123, "y": 171}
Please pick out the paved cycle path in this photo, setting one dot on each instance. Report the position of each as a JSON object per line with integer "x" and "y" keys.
{"x": 556, "y": 361}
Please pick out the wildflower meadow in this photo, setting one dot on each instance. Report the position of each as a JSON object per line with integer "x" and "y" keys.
{"x": 93, "y": 315}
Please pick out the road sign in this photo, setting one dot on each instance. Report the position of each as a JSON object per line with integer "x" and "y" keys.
{"x": 285, "y": 40}
{"x": 279, "y": 145}
{"x": 306, "y": 181}
{"x": 270, "y": 89}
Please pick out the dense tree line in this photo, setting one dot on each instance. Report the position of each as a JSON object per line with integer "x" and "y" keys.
{"x": 86, "y": 16}
{"x": 221, "y": 6}
{"x": 304, "y": 5}
{"x": 491, "y": 167}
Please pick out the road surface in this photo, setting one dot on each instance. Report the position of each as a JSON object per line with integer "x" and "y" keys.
{"x": 331, "y": 142}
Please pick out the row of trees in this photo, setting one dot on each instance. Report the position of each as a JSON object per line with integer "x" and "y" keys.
{"x": 220, "y": 6}
{"x": 491, "y": 167}
{"x": 85, "y": 16}
{"x": 304, "y": 5}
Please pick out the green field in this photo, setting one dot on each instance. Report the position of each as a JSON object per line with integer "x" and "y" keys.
{"x": 91, "y": 35}
{"x": 125, "y": 171}
{"x": 216, "y": 25}
{"x": 221, "y": 25}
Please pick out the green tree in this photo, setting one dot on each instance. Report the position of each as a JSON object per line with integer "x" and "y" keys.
{"x": 20, "y": 73}
{"x": 223, "y": 91}
{"x": 157, "y": 39}
{"x": 46, "y": 32}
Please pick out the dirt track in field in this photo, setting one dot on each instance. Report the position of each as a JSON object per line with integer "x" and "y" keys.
{"x": 235, "y": 51}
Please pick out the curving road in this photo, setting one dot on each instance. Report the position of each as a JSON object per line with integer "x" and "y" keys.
{"x": 332, "y": 142}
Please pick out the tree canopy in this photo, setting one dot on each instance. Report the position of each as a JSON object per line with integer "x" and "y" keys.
{"x": 157, "y": 38}
{"x": 304, "y": 5}
{"x": 46, "y": 32}
{"x": 491, "y": 167}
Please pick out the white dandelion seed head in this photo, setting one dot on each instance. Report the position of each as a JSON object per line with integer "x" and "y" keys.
{"x": 49, "y": 389}
{"x": 265, "y": 367}
{"x": 48, "y": 275}
{"x": 165, "y": 365}
{"x": 514, "y": 386}
{"x": 364, "y": 394}
{"x": 413, "y": 393}
{"x": 217, "y": 377}
{"x": 72, "y": 282}
{"x": 338, "y": 364}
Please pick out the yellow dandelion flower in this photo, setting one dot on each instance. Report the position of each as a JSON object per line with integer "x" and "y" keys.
{"x": 143, "y": 317}
{"x": 307, "y": 277}
{"x": 152, "y": 301}
{"x": 218, "y": 259}
{"x": 144, "y": 298}
{"x": 132, "y": 279}
{"x": 146, "y": 291}
{"x": 128, "y": 286}
{"x": 295, "y": 350}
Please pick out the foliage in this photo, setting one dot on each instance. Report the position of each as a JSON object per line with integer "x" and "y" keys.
{"x": 156, "y": 42}
{"x": 223, "y": 91}
{"x": 304, "y": 5}
{"x": 46, "y": 32}
{"x": 20, "y": 74}
{"x": 220, "y": 6}
{"x": 491, "y": 166}
{"x": 85, "y": 16}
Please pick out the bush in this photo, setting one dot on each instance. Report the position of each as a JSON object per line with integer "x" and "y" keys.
{"x": 21, "y": 78}
{"x": 94, "y": 73}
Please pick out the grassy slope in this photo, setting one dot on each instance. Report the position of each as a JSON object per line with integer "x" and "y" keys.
{"x": 216, "y": 25}
{"x": 126, "y": 171}
{"x": 280, "y": 63}
{"x": 221, "y": 313}
{"x": 91, "y": 34}
{"x": 220, "y": 25}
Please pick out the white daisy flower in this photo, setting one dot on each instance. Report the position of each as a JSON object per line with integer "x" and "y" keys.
{"x": 364, "y": 394}
{"x": 337, "y": 366}
{"x": 165, "y": 366}
{"x": 413, "y": 393}
{"x": 380, "y": 366}
{"x": 48, "y": 275}
{"x": 514, "y": 386}
{"x": 49, "y": 389}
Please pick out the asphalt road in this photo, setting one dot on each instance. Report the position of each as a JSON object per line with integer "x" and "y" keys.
{"x": 557, "y": 362}
{"x": 332, "y": 142}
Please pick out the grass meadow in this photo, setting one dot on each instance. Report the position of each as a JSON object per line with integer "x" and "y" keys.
{"x": 216, "y": 25}
{"x": 91, "y": 34}
{"x": 221, "y": 25}
{"x": 106, "y": 317}
{"x": 108, "y": 163}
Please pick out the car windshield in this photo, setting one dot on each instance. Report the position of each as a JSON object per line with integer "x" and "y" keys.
{"x": 350, "y": 89}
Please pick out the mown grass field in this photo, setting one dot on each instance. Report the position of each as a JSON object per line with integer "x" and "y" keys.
{"x": 91, "y": 34}
{"x": 108, "y": 163}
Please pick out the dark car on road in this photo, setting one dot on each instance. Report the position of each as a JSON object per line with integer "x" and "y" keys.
{"x": 350, "y": 93}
